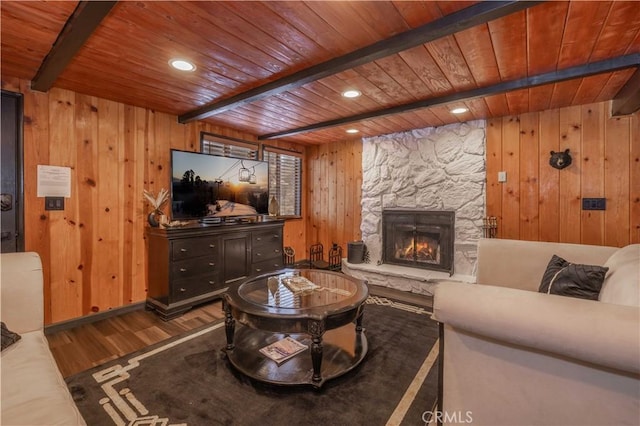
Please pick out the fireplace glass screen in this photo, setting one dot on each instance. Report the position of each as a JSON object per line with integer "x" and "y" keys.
{"x": 419, "y": 239}
{"x": 421, "y": 247}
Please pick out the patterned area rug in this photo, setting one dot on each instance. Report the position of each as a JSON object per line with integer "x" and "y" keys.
{"x": 188, "y": 381}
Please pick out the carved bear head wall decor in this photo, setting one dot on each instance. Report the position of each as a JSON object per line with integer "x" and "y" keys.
{"x": 560, "y": 160}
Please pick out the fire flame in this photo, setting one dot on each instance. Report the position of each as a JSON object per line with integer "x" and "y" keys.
{"x": 423, "y": 251}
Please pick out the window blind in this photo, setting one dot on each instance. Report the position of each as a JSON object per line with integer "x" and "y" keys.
{"x": 285, "y": 176}
{"x": 228, "y": 147}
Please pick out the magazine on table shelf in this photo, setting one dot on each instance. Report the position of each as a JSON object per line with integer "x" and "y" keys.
{"x": 283, "y": 349}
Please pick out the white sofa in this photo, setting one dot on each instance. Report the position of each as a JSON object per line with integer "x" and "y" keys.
{"x": 514, "y": 356}
{"x": 33, "y": 390}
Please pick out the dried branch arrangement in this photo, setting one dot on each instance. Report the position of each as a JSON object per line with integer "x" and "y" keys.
{"x": 159, "y": 201}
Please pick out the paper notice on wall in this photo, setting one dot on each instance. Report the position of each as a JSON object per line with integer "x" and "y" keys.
{"x": 54, "y": 181}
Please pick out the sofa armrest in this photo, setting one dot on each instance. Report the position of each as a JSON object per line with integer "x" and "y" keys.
{"x": 521, "y": 264}
{"x": 590, "y": 331}
{"x": 22, "y": 292}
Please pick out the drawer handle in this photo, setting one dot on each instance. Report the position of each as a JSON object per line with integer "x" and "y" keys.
{"x": 276, "y": 251}
{"x": 183, "y": 289}
{"x": 212, "y": 282}
{"x": 276, "y": 236}
{"x": 212, "y": 246}
{"x": 258, "y": 270}
{"x": 258, "y": 254}
{"x": 183, "y": 250}
{"x": 183, "y": 270}
{"x": 212, "y": 264}
{"x": 259, "y": 239}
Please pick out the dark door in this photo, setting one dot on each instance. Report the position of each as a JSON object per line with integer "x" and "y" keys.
{"x": 11, "y": 220}
{"x": 237, "y": 262}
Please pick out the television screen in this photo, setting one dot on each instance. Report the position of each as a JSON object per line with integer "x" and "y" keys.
{"x": 204, "y": 185}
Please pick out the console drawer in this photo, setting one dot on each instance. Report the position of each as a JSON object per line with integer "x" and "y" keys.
{"x": 193, "y": 267}
{"x": 272, "y": 251}
{"x": 266, "y": 266}
{"x": 273, "y": 237}
{"x": 193, "y": 287}
{"x": 194, "y": 247}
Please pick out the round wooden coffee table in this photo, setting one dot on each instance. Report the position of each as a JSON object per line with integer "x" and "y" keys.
{"x": 321, "y": 309}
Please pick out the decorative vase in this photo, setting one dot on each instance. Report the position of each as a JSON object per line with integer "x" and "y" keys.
{"x": 274, "y": 207}
{"x": 154, "y": 218}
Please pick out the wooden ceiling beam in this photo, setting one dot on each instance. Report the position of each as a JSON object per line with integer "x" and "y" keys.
{"x": 627, "y": 101}
{"x": 81, "y": 24}
{"x": 580, "y": 71}
{"x": 469, "y": 17}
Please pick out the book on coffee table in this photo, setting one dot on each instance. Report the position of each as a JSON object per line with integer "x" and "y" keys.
{"x": 299, "y": 284}
{"x": 283, "y": 349}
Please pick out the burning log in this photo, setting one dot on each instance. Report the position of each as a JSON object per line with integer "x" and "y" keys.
{"x": 424, "y": 252}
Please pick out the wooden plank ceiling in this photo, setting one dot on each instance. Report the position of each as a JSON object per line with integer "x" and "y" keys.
{"x": 559, "y": 53}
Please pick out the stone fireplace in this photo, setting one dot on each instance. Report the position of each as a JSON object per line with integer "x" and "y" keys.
{"x": 418, "y": 239}
{"x": 434, "y": 169}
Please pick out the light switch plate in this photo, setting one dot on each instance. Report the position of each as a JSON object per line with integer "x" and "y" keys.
{"x": 54, "y": 203}
{"x": 502, "y": 176}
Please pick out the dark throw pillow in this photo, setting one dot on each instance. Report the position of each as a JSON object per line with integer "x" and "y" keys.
{"x": 568, "y": 279}
{"x": 8, "y": 336}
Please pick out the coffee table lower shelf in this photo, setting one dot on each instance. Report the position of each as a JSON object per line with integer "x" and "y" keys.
{"x": 343, "y": 350}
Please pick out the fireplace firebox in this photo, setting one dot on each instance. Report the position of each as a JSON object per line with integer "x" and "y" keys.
{"x": 419, "y": 239}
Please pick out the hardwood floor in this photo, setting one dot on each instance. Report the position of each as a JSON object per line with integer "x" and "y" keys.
{"x": 89, "y": 345}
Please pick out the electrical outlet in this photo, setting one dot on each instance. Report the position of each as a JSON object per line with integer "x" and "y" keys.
{"x": 502, "y": 176}
{"x": 594, "y": 204}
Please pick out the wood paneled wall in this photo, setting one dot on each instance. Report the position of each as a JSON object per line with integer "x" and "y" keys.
{"x": 334, "y": 194}
{"x": 94, "y": 252}
{"x": 541, "y": 203}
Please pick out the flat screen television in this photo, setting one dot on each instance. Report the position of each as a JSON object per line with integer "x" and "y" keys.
{"x": 210, "y": 186}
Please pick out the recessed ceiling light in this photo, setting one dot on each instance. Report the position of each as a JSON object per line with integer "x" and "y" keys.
{"x": 182, "y": 65}
{"x": 459, "y": 110}
{"x": 351, "y": 93}
{"x": 352, "y": 130}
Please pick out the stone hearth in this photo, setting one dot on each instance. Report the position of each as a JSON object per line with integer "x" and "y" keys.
{"x": 433, "y": 169}
{"x": 400, "y": 277}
